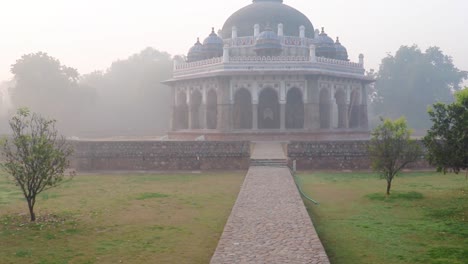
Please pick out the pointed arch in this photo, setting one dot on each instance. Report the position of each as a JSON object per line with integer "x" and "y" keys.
{"x": 195, "y": 103}
{"x": 242, "y": 109}
{"x": 294, "y": 109}
{"x": 211, "y": 109}
{"x": 340, "y": 98}
{"x": 353, "y": 111}
{"x": 182, "y": 111}
{"x": 268, "y": 109}
{"x": 325, "y": 109}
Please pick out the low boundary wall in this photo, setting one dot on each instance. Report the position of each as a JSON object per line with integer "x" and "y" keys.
{"x": 336, "y": 155}
{"x": 216, "y": 155}
{"x": 160, "y": 155}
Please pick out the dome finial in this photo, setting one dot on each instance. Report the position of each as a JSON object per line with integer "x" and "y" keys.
{"x": 213, "y": 32}
{"x": 323, "y": 30}
{"x": 338, "y": 40}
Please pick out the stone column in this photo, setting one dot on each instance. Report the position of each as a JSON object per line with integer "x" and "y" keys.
{"x": 224, "y": 105}
{"x": 312, "y": 106}
{"x": 364, "y": 118}
{"x": 342, "y": 116}
{"x": 282, "y": 116}
{"x": 202, "y": 116}
{"x": 331, "y": 110}
{"x": 308, "y": 116}
{"x": 314, "y": 112}
{"x": 193, "y": 117}
{"x": 255, "y": 116}
{"x": 173, "y": 120}
{"x": 224, "y": 116}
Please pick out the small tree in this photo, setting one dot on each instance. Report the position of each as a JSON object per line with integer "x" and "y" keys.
{"x": 391, "y": 149}
{"x": 447, "y": 139}
{"x": 35, "y": 155}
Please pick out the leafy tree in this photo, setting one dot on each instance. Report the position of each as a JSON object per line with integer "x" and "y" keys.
{"x": 44, "y": 85}
{"x": 447, "y": 139}
{"x": 411, "y": 80}
{"x": 35, "y": 156}
{"x": 42, "y": 82}
{"x": 391, "y": 149}
{"x": 131, "y": 91}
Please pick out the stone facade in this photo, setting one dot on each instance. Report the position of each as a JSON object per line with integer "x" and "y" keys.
{"x": 336, "y": 155}
{"x": 160, "y": 155}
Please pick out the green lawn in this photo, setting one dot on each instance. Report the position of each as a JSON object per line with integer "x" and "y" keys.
{"x": 119, "y": 219}
{"x": 425, "y": 220}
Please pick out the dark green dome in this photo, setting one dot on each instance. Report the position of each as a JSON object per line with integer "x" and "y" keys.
{"x": 267, "y": 12}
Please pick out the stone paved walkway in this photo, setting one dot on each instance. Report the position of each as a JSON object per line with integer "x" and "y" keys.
{"x": 269, "y": 222}
{"x": 268, "y": 150}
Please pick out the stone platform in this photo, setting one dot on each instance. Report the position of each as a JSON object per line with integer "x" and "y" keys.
{"x": 271, "y": 135}
{"x": 269, "y": 222}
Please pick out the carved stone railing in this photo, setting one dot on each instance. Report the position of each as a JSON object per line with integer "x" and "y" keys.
{"x": 268, "y": 59}
{"x": 339, "y": 62}
{"x": 285, "y": 40}
{"x": 242, "y": 42}
{"x": 296, "y": 41}
{"x": 268, "y": 62}
{"x": 196, "y": 64}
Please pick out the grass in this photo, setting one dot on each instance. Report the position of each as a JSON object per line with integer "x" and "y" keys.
{"x": 425, "y": 219}
{"x": 119, "y": 219}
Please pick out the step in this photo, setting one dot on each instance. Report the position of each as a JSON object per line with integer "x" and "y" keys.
{"x": 269, "y": 162}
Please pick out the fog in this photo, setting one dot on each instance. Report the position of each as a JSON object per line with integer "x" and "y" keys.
{"x": 90, "y": 36}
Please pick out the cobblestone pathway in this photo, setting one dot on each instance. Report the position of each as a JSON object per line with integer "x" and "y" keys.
{"x": 269, "y": 222}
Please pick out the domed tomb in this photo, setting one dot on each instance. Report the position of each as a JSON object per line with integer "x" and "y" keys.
{"x": 264, "y": 12}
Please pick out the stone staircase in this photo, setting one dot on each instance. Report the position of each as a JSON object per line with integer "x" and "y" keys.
{"x": 278, "y": 163}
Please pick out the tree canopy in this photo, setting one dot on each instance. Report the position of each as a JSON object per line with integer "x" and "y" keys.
{"x": 128, "y": 98}
{"x": 391, "y": 149}
{"x": 131, "y": 90}
{"x": 411, "y": 80}
{"x": 35, "y": 156}
{"x": 447, "y": 139}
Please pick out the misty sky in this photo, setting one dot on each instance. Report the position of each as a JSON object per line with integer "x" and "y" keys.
{"x": 90, "y": 34}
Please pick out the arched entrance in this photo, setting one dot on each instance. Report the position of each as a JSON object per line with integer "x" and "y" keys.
{"x": 195, "y": 103}
{"x": 340, "y": 97}
{"x": 354, "y": 109}
{"x": 211, "y": 110}
{"x": 268, "y": 110}
{"x": 325, "y": 109}
{"x": 294, "y": 109}
{"x": 242, "y": 109}
{"x": 182, "y": 111}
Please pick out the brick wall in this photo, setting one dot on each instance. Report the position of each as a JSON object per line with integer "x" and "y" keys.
{"x": 160, "y": 155}
{"x": 336, "y": 155}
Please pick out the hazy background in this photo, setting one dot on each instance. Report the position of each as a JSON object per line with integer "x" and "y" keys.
{"x": 90, "y": 35}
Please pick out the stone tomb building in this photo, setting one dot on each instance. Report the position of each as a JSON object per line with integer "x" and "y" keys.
{"x": 269, "y": 74}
